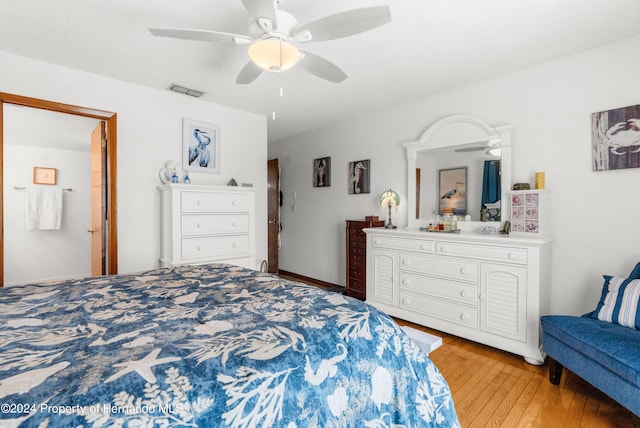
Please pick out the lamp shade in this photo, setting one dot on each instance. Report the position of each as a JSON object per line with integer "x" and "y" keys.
{"x": 389, "y": 198}
{"x": 274, "y": 54}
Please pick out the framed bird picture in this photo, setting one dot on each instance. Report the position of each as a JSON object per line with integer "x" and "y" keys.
{"x": 453, "y": 191}
{"x": 200, "y": 146}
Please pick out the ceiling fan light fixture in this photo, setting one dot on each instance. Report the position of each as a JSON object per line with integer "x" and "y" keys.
{"x": 274, "y": 54}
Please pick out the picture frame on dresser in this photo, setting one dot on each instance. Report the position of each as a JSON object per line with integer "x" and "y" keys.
{"x": 200, "y": 146}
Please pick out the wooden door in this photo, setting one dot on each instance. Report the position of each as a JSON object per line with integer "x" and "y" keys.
{"x": 98, "y": 200}
{"x": 273, "y": 214}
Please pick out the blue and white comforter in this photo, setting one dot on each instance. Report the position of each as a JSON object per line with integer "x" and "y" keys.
{"x": 213, "y": 345}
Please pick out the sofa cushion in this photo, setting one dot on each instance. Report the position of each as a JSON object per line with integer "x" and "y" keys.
{"x": 619, "y": 302}
{"x": 611, "y": 345}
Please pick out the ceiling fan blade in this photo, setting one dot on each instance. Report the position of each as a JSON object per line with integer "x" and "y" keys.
{"x": 322, "y": 68}
{"x": 263, "y": 9}
{"x": 248, "y": 74}
{"x": 200, "y": 35}
{"x": 346, "y": 23}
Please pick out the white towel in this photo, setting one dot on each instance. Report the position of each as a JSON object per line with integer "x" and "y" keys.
{"x": 43, "y": 209}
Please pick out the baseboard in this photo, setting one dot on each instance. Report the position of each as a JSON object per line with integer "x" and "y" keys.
{"x": 307, "y": 280}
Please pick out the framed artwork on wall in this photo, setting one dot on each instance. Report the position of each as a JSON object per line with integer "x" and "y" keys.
{"x": 615, "y": 138}
{"x": 452, "y": 187}
{"x": 43, "y": 175}
{"x": 322, "y": 172}
{"x": 359, "y": 176}
{"x": 200, "y": 146}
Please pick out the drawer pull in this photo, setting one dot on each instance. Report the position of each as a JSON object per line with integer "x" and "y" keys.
{"x": 234, "y": 224}
{"x": 464, "y": 271}
{"x": 198, "y": 202}
{"x": 464, "y": 317}
{"x": 424, "y": 247}
{"x": 198, "y": 248}
{"x": 405, "y": 282}
{"x": 464, "y": 293}
{"x": 443, "y": 250}
{"x": 406, "y": 301}
{"x": 405, "y": 262}
{"x": 234, "y": 203}
{"x": 377, "y": 242}
{"x": 235, "y": 245}
{"x": 199, "y": 225}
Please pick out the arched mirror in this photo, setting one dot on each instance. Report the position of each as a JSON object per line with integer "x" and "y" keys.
{"x": 464, "y": 169}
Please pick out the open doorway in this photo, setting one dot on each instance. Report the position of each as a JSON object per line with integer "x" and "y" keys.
{"x": 101, "y": 230}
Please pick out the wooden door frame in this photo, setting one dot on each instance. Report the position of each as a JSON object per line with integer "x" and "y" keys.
{"x": 110, "y": 120}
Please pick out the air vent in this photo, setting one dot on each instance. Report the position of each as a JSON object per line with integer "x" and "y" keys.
{"x": 186, "y": 91}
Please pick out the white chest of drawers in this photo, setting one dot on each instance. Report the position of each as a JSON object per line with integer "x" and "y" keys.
{"x": 202, "y": 224}
{"x": 489, "y": 289}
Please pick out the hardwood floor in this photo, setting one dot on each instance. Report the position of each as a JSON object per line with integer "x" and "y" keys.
{"x": 493, "y": 388}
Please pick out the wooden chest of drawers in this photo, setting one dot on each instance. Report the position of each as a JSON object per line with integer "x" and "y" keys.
{"x": 203, "y": 224}
{"x": 357, "y": 256}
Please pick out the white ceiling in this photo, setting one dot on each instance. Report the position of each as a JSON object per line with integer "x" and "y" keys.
{"x": 430, "y": 46}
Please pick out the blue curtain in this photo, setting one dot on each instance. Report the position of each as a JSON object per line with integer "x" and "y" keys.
{"x": 491, "y": 190}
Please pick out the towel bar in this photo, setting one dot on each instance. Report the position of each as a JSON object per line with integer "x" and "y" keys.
{"x": 68, "y": 189}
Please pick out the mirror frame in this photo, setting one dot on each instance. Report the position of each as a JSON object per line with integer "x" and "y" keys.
{"x": 458, "y": 130}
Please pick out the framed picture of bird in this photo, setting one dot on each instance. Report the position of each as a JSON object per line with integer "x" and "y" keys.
{"x": 452, "y": 194}
{"x": 200, "y": 146}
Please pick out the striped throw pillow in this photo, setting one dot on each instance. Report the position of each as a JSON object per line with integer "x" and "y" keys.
{"x": 619, "y": 302}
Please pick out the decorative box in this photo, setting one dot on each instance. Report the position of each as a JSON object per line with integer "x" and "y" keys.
{"x": 529, "y": 212}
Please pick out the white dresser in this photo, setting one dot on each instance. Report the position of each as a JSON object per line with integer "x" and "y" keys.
{"x": 202, "y": 224}
{"x": 490, "y": 289}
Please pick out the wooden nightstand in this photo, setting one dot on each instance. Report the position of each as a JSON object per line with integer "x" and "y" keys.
{"x": 357, "y": 256}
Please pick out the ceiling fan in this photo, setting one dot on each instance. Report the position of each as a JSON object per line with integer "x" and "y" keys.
{"x": 274, "y": 34}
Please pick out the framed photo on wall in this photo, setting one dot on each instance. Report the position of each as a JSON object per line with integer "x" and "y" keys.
{"x": 359, "y": 177}
{"x": 452, "y": 187}
{"x": 322, "y": 172}
{"x": 43, "y": 175}
{"x": 615, "y": 138}
{"x": 200, "y": 146}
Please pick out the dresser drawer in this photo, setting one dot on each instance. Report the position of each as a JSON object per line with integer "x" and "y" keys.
{"x": 446, "y": 311}
{"x": 419, "y": 245}
{"x": 357, "y": 284}
{"x": 214, "y": 246}
{"x": 214, "y": 223}
{"x": 464, "y": 270}
{"x": 484, "y": 252}
{"x": 215, "y": 202}
{"x": 357, "y": 250}
{"x": 461, "y": 293}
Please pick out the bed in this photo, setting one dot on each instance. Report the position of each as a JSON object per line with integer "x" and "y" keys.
{"x": 208, "y": 345}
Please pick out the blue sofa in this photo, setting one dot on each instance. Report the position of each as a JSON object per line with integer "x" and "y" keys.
{"x": 605, "y": 352}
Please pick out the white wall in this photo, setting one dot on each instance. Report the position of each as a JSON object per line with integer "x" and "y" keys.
{"x": 149, "y": 134}
{"x": 47, "y": 254}
{"x": 593, "y": 214}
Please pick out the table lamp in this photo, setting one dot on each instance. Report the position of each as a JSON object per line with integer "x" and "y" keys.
{"x": 390, "y": 199}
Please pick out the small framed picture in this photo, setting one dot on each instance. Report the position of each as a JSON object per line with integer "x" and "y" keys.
{"x": 200, "y": 146}
{"x": 322, "y": 172}
{"x": 359, "y": 176}
{"x": 43, "y": 175}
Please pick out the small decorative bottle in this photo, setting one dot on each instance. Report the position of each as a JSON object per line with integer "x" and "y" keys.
{"x": 174, "y": 177}
{"x": 187, "y": 180}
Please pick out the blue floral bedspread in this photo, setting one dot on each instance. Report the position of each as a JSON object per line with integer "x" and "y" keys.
{"x": 207, "y": 346}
